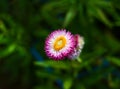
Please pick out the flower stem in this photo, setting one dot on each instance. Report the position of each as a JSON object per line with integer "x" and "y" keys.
{"x": 79, "y": 59}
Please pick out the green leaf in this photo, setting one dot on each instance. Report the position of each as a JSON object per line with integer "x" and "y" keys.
{"x": 67, "y": 83}
{"x": 10, "y": 49}
{"x": 114, "y": 60}
{"x": 2, "y": 26}
{"x": 69, "y": 16}
{"x": 54, "y": 64}
{"x": 101, "y": 16}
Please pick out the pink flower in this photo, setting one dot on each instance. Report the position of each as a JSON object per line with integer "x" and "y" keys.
{"x": 59, "y": 44}
{"x": 78, "y": 47}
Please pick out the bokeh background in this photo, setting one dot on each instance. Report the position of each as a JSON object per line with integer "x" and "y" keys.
{"x": 24, "y": 25}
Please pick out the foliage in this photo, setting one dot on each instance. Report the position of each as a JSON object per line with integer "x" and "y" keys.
{"x": 24, "y": 25}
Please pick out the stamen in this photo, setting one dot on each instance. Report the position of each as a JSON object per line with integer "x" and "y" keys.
{"x": 59, "y": 43}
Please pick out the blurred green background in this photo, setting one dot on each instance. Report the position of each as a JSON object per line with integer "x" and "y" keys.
{"x": 24, "y": 25}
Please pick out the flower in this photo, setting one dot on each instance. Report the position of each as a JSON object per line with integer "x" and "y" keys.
{"x": 59, "y": 44}
{"x": 78, "y": 47}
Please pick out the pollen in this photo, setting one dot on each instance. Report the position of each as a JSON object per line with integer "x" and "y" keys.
{"x": 59, "y": 43}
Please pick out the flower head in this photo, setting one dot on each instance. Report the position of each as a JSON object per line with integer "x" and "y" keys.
{"x": 59, "y": 44}
{"x": 78, "y": 47}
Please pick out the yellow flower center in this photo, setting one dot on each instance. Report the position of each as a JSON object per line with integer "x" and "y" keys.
{"x": 59, "y": 43}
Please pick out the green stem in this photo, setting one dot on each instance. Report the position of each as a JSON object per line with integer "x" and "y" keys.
{"x": 79, "y": 59}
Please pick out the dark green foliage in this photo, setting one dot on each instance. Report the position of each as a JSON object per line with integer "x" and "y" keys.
{"x": 24, "y": 25}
